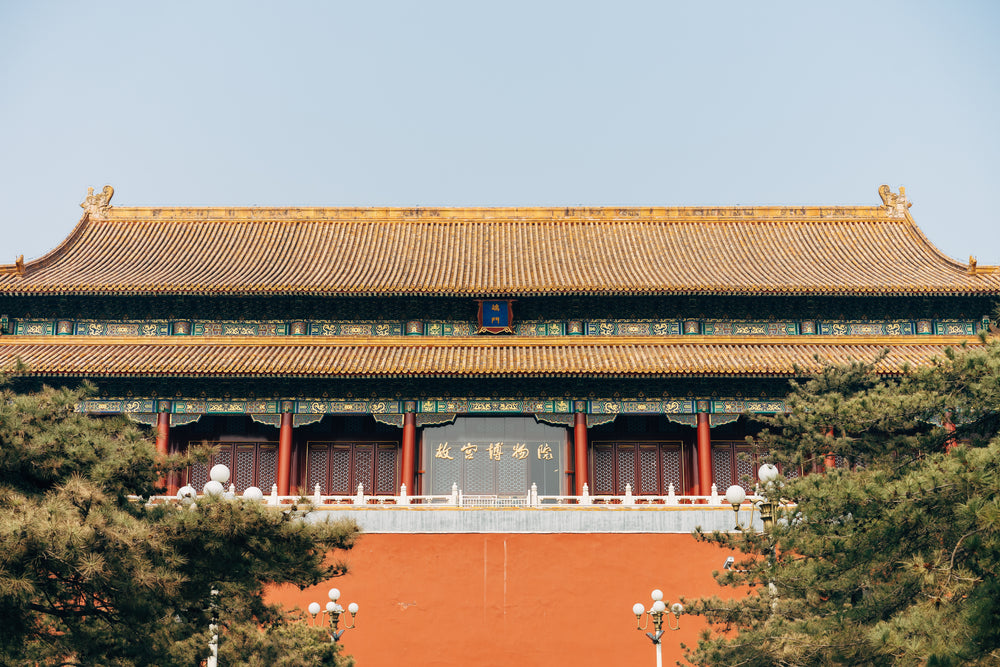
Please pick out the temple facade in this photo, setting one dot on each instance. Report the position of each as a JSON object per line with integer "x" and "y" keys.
{"x": 490, "y": 350}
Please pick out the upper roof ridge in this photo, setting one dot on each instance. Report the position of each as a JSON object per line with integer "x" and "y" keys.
{"x": 534, "y": 214}
{"x": 607, "y": 250}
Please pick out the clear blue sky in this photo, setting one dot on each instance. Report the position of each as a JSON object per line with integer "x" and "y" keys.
{"x": 500, "y": 103}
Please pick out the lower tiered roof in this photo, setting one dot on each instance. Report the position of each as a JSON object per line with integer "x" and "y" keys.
{"x": 505, "y": 356}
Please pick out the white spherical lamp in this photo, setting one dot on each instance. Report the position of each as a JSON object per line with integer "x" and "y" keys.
{"x": 735, "y": 495}
{"x": 214, "y": 488}
{"x": 219, "y": 473}
{"x": 767, "y": 473}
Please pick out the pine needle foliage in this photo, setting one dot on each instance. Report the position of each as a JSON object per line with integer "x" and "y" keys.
{"x": 89, "y": 575}
{"x": 894, "y": 560}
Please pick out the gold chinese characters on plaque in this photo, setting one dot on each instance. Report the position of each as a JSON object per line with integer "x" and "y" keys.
{"x": 495, "y": 451}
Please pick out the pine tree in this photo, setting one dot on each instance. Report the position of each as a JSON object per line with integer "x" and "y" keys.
{"x": 893, "y": 560}
{"x": 90, "y": 574}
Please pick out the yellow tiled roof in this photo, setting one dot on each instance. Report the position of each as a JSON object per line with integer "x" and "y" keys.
{"x": 493, "y": 356}
{"x": 497, "y": 252}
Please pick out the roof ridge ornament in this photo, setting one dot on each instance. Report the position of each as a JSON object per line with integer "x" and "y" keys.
{"x": 15, "y": 269}
{"x": 97, "y": 205}
{"x": 895, "y": 204}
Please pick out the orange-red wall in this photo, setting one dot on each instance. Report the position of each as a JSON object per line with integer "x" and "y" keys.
{"x": 515, "y": 599}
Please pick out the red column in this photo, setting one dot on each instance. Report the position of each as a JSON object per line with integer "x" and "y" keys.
{"x": 691, "y": 471}
{"x": 295, "y": 474}
{"x": 704, "y": 455}
{"x": 163, "y": 444}
{"x": 409, "y": 452}
{"x": 285, "y": 454}
{"x": 580, "y": 449}
{"x": 830, "y": 461}
{"x": 949, "y": 426}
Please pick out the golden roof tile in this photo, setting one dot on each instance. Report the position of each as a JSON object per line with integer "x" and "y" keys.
{"x": 570, "y": 356}
{"x": 498, "y": 252}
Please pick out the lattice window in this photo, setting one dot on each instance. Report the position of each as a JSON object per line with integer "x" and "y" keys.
{"x": 734, "y": 463}
{"x": 448, "y": 472}
{"x": 647, "y": 470}
{"x": 670, "y": 469}
{"x": 249, "y": 463}
{"x": 745, "y": 469}
{"x": 267, "y": 464}
{"x": 339, "y": 467}
{"x": 626, "y": 468}
{"x": 512, "y": 475}
{"x": 385, "y": 475}
{"x": 604, "y": 471}
{"x": 478, "y": 475}
{"x": 649, "y": 467}
{"x": 340, "y": 472}
{"x": 198, "y": 476}
{"x": 243, "y": 476}
{"x": 224, "y": 455}
{"x": 317, "y": 462}
{"x": 722, "y": 469}
{"x": 364, "y": 463}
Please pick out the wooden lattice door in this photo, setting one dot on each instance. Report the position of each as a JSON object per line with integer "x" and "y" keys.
{"x": 249, "y": 463}
{"x": 648, "y": 467}
{"x": 338, "y": 468}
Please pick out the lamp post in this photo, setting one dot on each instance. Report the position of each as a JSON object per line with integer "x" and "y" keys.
{"x": 333, "y": 612}
{"x": 735, "y": 495}
{"x": 215, "y": 487}
{"x": 213, "y": 627}
{"x": 658, "y": 612}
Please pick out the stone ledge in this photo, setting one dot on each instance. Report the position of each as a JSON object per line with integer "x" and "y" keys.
{"x": 598, "y": 519}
